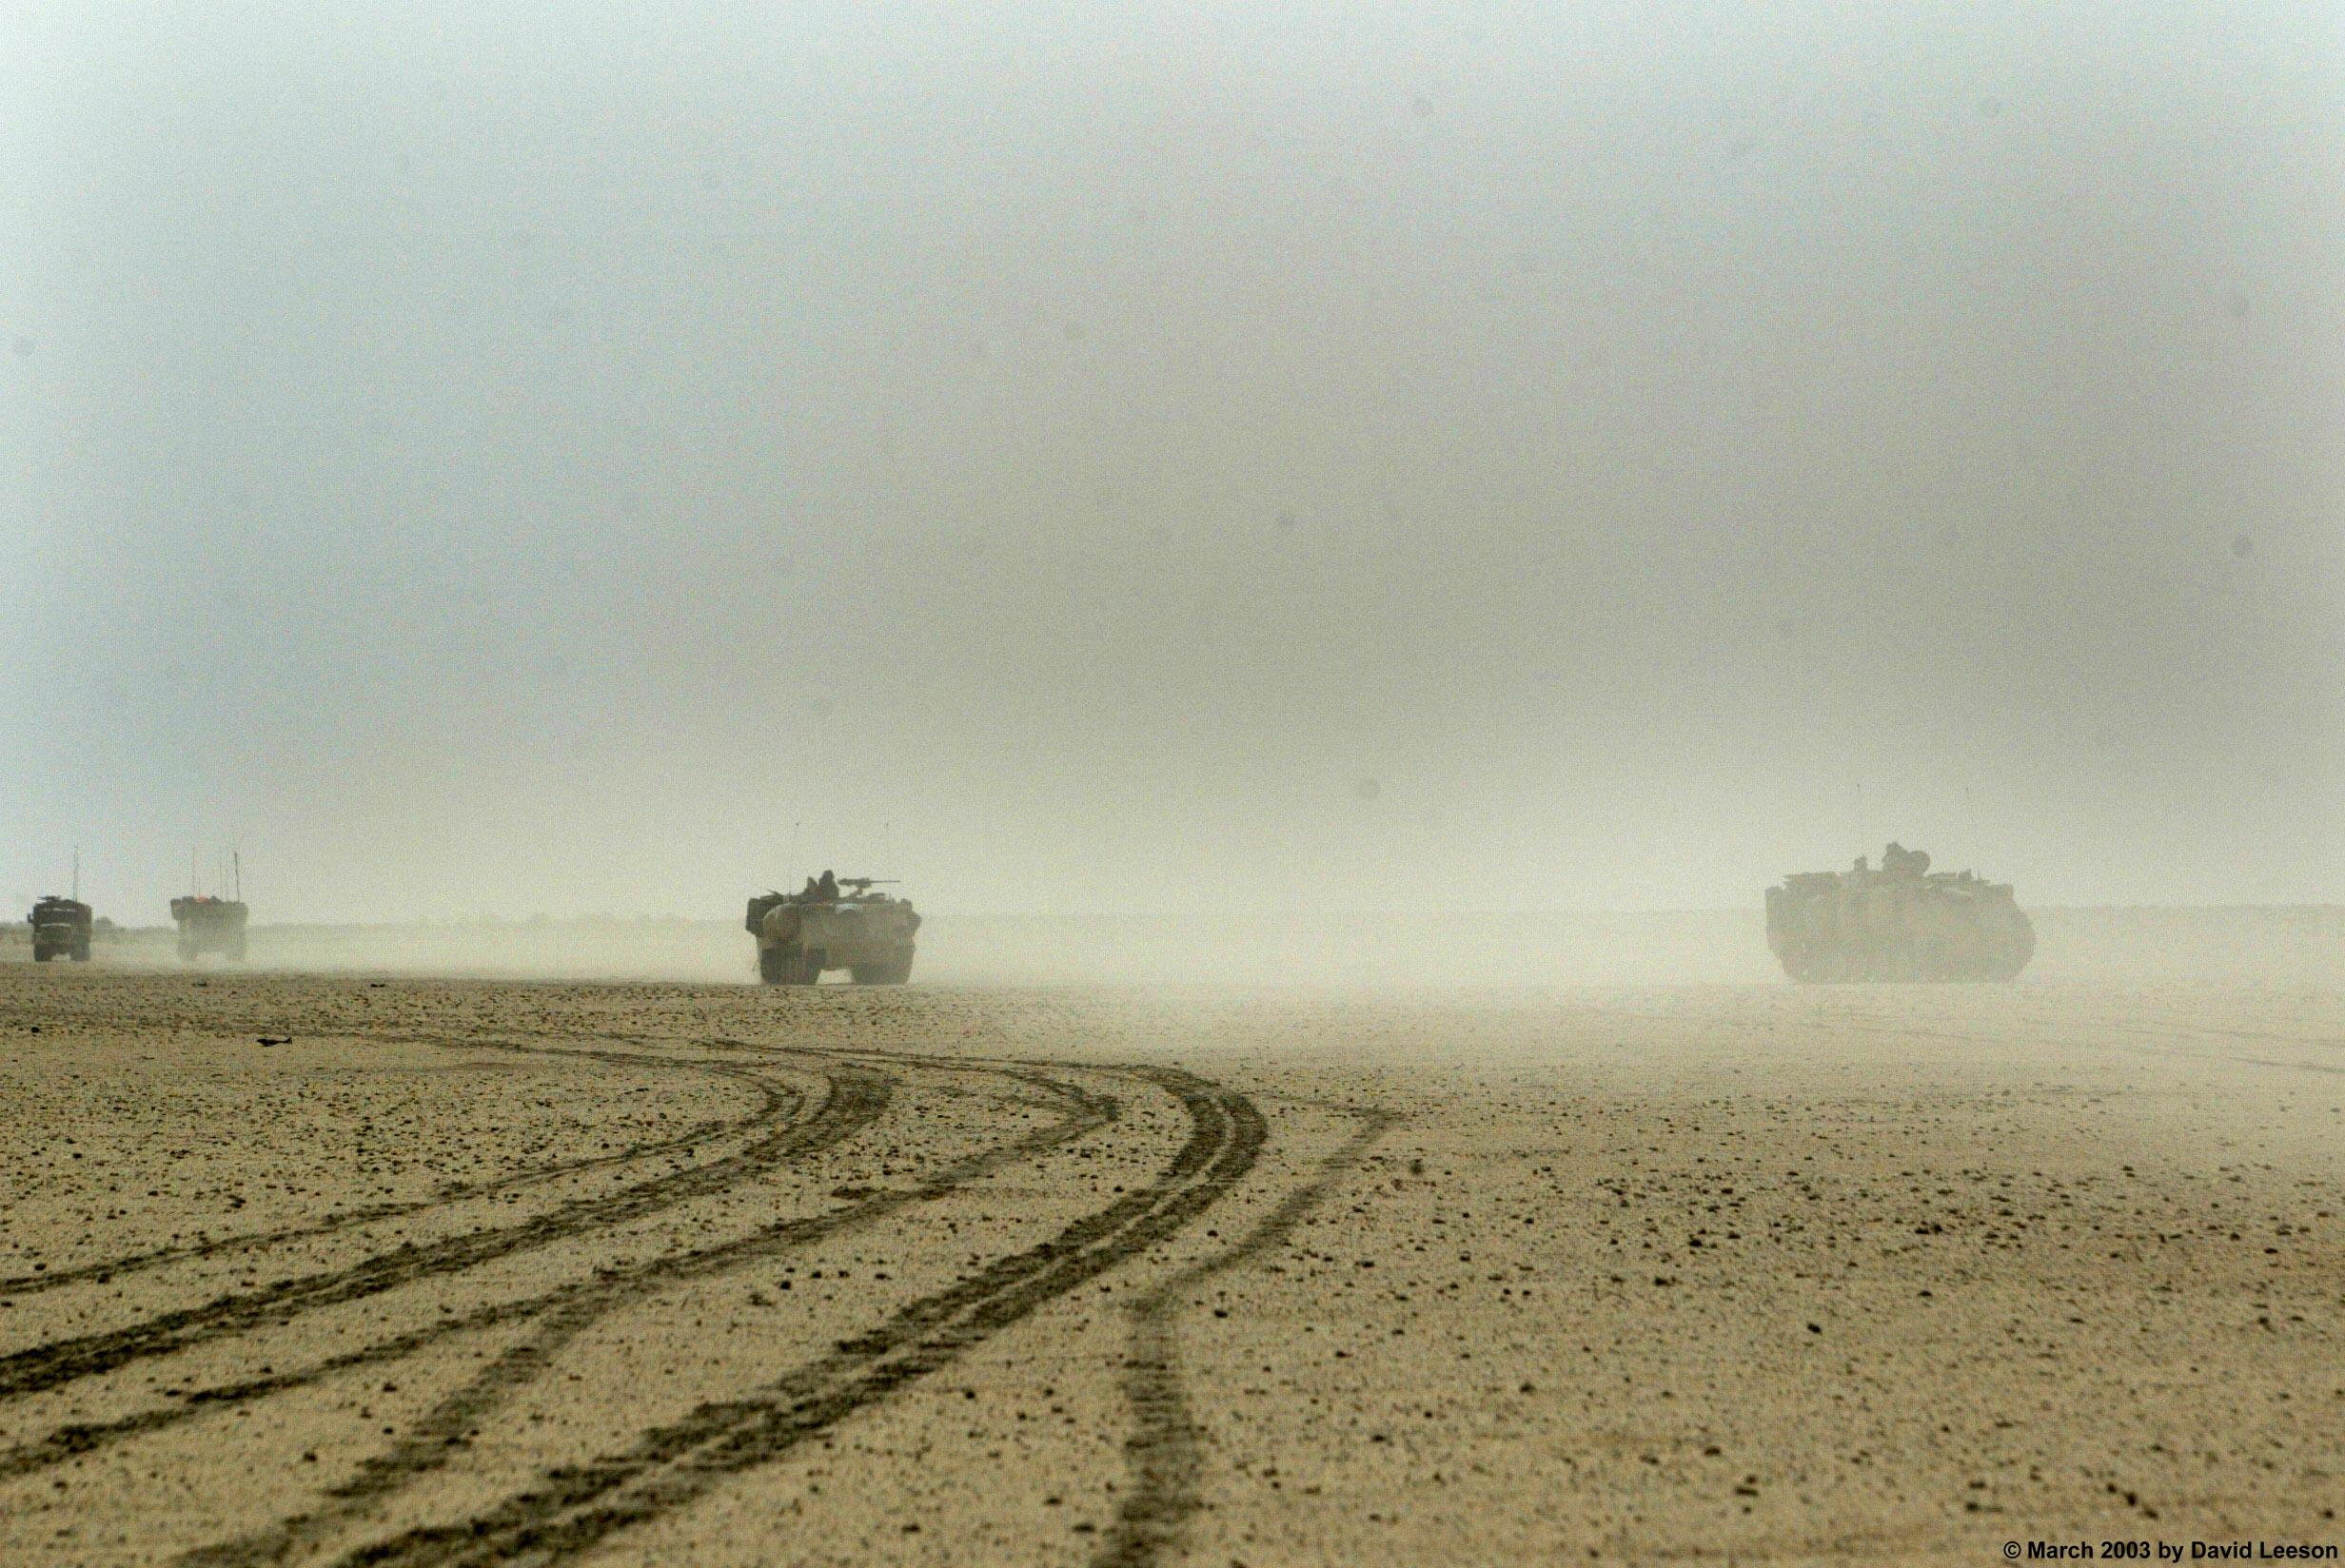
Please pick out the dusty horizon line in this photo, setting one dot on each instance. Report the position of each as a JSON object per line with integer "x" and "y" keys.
{"x": 540, "y": 921}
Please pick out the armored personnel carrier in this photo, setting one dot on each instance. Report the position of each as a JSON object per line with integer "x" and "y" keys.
{"x": 833, "y": 923}
{"x": 60, "y": 929}
{"x": 1902, "y": 922}
{"x": 210, "y": 925}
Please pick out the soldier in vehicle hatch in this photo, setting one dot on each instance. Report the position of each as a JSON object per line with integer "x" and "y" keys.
{"x": 805, "y": 936}
{"x": 1901, "y": 862}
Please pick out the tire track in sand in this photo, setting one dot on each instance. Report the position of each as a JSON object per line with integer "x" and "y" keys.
{"x": 840, "y": 1118}
{"x": 135, "y": 1263}
{"x": 856, "y": 1097}
{"x": 572, "y": 1510}
{"x": 1164, "y": 1452}
{"x": 443, "y": 1432}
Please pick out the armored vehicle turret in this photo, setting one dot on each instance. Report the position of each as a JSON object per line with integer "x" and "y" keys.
{"x": 60, "y": 930}
{"x": 210, "y": 925}
{"x": 1900, "y": 921}
{"x": 832, "y": 923}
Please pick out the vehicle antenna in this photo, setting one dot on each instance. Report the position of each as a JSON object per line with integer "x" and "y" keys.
{"x": 195, "y": 883}
{"x": 77, "y": 873}
{"x": 1864, "y": 845}
{"x": 236, "y": 862}
{"x": 793, "y": 882}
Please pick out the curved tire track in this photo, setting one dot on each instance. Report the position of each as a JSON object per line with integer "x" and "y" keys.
{"x": 857, "y": 1097}
{"x": 1164, "y": 1452}
{"x": 572, "y": 1510}
{"x": 691, "y": 1138}
{"x": 429, "y": 1444}
{"x": 81, "y": 1439}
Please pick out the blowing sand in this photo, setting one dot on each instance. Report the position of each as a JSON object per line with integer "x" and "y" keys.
{"x": 489, "y": 1272}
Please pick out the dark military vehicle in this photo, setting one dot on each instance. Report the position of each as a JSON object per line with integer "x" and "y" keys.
{"x": 833, "y": 923}
{"x": 60, "y": 930}
{"x": 210, "y": 925}
{"x": 1902, "y": 922}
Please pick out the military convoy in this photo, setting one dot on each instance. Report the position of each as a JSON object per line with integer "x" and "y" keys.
{"x": 60, "y": 930}
{"x": 1902, "y": 922}
{"x": 832, "y": 923}
{"x": 210, "y": 925}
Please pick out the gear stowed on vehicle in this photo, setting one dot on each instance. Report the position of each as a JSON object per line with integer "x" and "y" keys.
{"x": 832, "y": 923}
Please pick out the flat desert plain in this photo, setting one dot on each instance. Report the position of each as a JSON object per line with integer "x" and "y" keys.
{"x": 402, "y": 1271}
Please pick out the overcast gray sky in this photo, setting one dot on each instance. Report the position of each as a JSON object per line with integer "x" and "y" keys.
{"x": 526, "y": 458}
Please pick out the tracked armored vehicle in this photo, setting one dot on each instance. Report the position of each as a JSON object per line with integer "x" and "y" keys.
{"x": 833, "y": 923}
{"x": 210, "y": 925}
{"x": 60, "y": 930}
{"x": 1900, "y": 921}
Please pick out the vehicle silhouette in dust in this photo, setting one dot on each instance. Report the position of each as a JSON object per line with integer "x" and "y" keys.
{"x": 210, "y": 925}
{"x": 832, "y": 923}
{"x": 60, "y": 930}
{"x": 1900, "y": 922}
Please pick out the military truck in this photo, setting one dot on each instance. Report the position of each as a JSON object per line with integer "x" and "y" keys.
{"x": 1900, "y": 922}
{"x": 60, "y": 929}
{"x": 210, "y": 925}
{"x": 834, "y": 923}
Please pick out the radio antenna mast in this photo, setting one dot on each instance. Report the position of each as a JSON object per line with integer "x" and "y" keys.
{"x": 236, "y": 864}
{"x": 195, "y": 881}
{"x": 794, "y": 852}
{"x": 77, "y": 873}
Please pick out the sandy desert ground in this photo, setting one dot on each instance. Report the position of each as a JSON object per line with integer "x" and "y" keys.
{"x": 494, "y": 1272}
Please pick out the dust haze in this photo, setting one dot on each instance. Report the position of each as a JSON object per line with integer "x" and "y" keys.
{"x": 607, "y": 461}
{"x": 1370, "y": 571}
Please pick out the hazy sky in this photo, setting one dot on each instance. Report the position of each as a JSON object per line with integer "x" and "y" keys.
{"x": 526, "y": 458}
